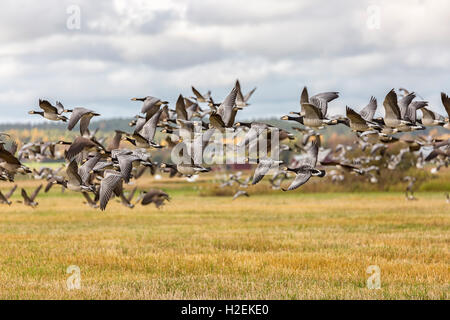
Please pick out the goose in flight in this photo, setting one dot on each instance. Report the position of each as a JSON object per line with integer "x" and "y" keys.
{"x": 111, "y": 183}
{"x": 225, "y": 110}
{"x": 10, "y": 164}
{"x": 358, "y": 122}
{"x": 263, "y": 168}
{"x": 446, "y": 102}
{"x": 31, "y": 200}
{"x": 83, "y": 116}
{"x": 150, "y": 104}
{"x": 4, "y": 198}
{"x": 153, "y": 196}
{"x": 314, "y": 117}
{"x": 431, "y": 118}
{"x": 241, "y": 100}
{"x": 393, "y": 117}
{"x": 143, "y": 136}
{"x": 200, "y": 97}
{"x": 240, "y": 193}
{"x": 50, "y": 112}
{"x": 306, "y": 168}
{"x": 74, "y": 181}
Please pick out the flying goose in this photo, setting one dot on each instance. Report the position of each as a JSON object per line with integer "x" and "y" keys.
{"x": 143, "y": 138}
{"x": 446, "y": 102}
{"x": 431, "y": 118}
{"x": 306, "y": 169}
{"x": 319, "y": 100}
{"x": 356, "y": 122}
{"x": 83, "y": 116}
{"x": 240, "y": 193}
{"x": 241, "y": 101}
{"x": 153, "y": 196}
{"x": 263, "y": 168}
{"x": 199, "y": 97}
{"x": 31, "y": 201}
{"x": 393, "y": 118}
{"x": 111, "y": 183}
{"x": 81, "y": 144}
{"x": 314, "y": 117}
{"x": 74, "y": 181}
{"x": 225, "y": 110}
{"x": 11, "y": 164}
{"x": 50, "y": 112}
{"x": 4, "y": 199}
{"x": 150, "y": 104}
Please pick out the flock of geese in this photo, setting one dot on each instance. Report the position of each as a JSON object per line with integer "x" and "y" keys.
{"x": 99, "y": 168}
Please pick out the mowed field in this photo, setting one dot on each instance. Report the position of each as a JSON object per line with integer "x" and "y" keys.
{"x": 270, "y": 246}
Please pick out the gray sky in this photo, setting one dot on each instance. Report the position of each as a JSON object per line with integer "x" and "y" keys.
{"x": 124, "y": 49}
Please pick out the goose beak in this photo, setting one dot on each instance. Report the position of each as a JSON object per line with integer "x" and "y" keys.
{"x": 133, "y": 99}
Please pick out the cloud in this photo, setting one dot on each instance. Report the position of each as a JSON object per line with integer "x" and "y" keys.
{"x": 161, "y": 48}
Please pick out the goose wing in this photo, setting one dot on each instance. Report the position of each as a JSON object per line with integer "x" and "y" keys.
{"x": 126, "y": 165}
{"x": 47, "y": 106}
{"x": 249, "y": 94}
{"x": 59, "y": 106}
{"x": 3, "y": 198}
{"x": 311, "y": 155}
{"x": 198, "y": 95}
{"x": 72, "y": 173}
{"x": 36, "y": 192}
{"x": 216, "y": 121}
{"x": 354, "y": 116}
{"x": 131, "y": 194}
{"x": 411, "y": 113}
{"x": 404, "y": 102}
{"x": 321, "y": 100}
{"x": 428, "y": 114}
{"x": 8, "y": 157}
{"x": 76, "y": 115}
{"x": 300, "y": 179}
{"x": 11, "y": 192}
{"x": 368, "y": 111}
{"x": 85, "y": 170}
{"x": 25, "y": 196}
{"x": 311, "y": 111}
{"x": 78, "y": 145}
{"x": 149, "y": 104}
{"x": 107, "y": 186}
{"x": 391, "y": 106}
{"x": 226, "y": 107}
{"x": 149, "y": 128}
{"x": 446, "y": 102}
{"x": 261, "y": 170}
{"x": 180, "y": 108}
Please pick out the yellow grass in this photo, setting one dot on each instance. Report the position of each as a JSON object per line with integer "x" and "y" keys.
{"x": 269, "y": 246}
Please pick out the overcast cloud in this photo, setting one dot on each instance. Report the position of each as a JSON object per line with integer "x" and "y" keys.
{"x": 134, "y": 48}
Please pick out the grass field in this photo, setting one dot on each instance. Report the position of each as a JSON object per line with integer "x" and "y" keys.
{"x": 269, "y": 246}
